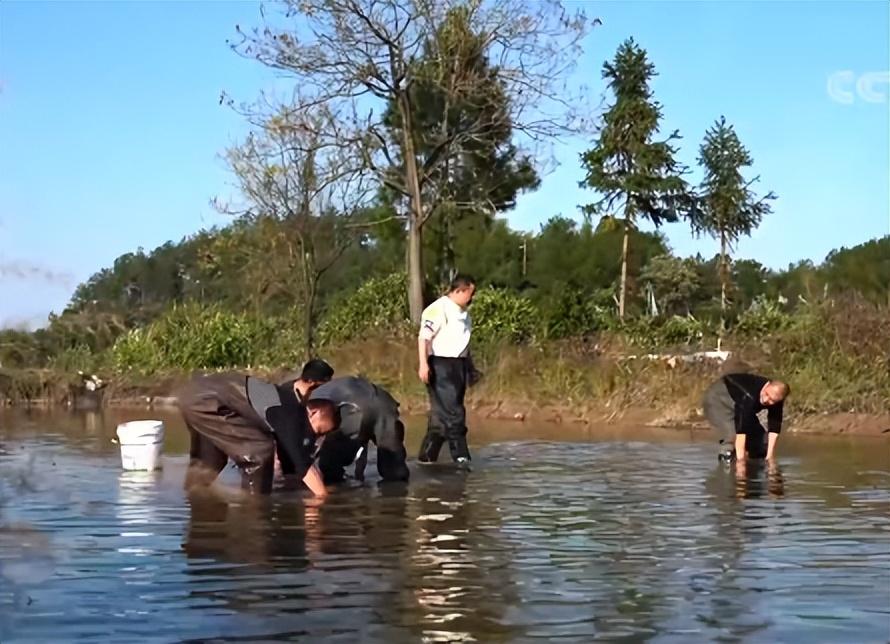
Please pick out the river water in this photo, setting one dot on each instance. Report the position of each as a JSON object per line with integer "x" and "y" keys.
{"x": 559, "y": 533}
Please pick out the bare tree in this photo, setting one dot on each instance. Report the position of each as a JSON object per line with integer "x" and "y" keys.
{"x": 360, "y": 59}
{"x": 301, "y": 191}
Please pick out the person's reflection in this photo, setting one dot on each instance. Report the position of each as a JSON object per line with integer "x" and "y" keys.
{"x": 246, "y": 542}
{"x": 363, "y": 520}
{"x": 361, "y": 535}
{"x": 757, "y": 478}
{"x": 454, "y": 581}
{"x": 243, "y": 530}
{"x": 738, "y": 530}
{"x": 93, "y": 423}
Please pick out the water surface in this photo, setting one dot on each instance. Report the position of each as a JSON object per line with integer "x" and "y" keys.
{"x": 559, "y": 533}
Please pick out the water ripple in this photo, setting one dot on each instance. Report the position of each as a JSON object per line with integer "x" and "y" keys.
{"x": 543, "y": 541}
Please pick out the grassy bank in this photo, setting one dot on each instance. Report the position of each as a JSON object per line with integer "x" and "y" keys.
{"x": 835, "y": 357}
{"x": 594, "y": 380}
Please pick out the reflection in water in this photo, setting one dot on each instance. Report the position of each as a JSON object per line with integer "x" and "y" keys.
{"x": 457, "y": 580}
{"x": 244, "y": 531}
{"x": 758, "y": 478}
{"x": 616, "y": 540}
{"x": 93, "y": 423}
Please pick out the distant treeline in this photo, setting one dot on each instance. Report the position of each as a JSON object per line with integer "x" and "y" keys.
{"x": 563, "y": 280}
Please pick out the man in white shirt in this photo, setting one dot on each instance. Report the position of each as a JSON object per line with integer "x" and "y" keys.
{"x": 444, "y": 355}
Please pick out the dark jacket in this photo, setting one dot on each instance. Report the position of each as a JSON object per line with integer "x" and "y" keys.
{"x": 744, "y": 389}
{"x": 368, "y": 413}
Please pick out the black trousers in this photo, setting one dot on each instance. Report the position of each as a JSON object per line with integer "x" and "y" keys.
{"x": 720, "y": 411}
{"x": 448, "y": 416}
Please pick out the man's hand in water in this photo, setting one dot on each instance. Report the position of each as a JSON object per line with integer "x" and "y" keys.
{"x": 314, "y": 482}
{"x": 772, "y": 438}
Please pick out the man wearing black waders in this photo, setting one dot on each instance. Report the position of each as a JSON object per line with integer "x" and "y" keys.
{"x": 731, "y": 406}
{"x": 445, "y": 368}
{"x": 368, "y": 413}
{"x": 239, "y": 417}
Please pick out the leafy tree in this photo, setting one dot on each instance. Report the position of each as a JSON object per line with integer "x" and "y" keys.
{"x": 751, "y": 279}
{"x": 490, "y": 251}
{"x": 864, "y": 268}
{"x": 584, "y": 259}
{"x": 802, "y": 280}
{"x": 636, "y": 175}
{"x": 297, "y": 190}
{"x": 481, "y": 176}
{"x": 674, "y": 283}
{"x": 360, "y": 57}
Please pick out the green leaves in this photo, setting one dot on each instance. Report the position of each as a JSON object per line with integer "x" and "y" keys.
{"x": 729, "y": 208}
{"x": 674, "y": 282}
{"x": 189, "y": 337}
{"x": 635, "y": 174}
{"x": 378, "y": 306}
{"x": 503, "y": 316}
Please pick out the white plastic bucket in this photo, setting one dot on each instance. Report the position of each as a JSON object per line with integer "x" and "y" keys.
{"x": 142, "y": 442}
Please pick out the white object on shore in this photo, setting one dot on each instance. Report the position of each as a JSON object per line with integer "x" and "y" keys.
{"x": 673, "y": 359}
{"x": 141, "y": 442}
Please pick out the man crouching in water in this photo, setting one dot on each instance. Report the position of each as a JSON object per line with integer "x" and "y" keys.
{"x": 245, "y": 419}
{"x": 368, "y": 413}
{"x": 731, "y": 405}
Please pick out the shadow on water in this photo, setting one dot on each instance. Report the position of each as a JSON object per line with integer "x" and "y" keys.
{"x": 591, "y": 538}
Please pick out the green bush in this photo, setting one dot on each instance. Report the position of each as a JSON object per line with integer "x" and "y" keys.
{"x": 502, "y": 316}
{"x": 652, "y": 333}
{"x": 570, "y": 312}
{"x": 379, "y": 305}
{"x": 20, "y": 385}
{"x": 639, "y": 332}
{"x": 77, "y": 358}
{"x": 681, "y": 330}
{"x": 137, "y": 350}
{"x": 191, "y": 336}
{"x": 281, "y": 340}
{"x": 762, "y": 318}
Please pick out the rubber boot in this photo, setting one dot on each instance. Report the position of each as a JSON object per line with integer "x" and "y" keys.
{"x": 430, "y": 447}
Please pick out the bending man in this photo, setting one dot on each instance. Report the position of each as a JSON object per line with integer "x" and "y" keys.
{"x": 731, "y": 405}
{"x": 245, "y": 419}
{"x": 368, "y": 413}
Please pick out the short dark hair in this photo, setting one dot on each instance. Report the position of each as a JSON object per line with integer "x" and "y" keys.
{"x": 317, "y": 370}
{"x": 460, "y": 281}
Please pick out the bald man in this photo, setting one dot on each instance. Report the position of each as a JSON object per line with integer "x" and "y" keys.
{"x": 731, "y": 406}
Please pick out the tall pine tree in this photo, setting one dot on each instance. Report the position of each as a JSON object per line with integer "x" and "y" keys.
{"x": 729, "y": 208}
{"x": 635, "y": 175}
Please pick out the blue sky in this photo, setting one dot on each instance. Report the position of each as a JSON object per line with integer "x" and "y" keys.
{"x": 110, "y": 124}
